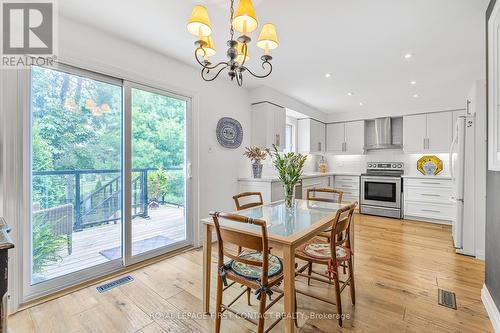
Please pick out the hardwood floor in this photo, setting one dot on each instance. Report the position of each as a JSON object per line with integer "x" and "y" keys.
{"x": 399, "y": 266}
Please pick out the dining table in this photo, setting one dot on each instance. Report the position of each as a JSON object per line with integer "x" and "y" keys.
{"x": 287, "y": 229}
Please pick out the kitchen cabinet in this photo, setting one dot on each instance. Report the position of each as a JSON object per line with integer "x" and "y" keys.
{"x": 428, "y": 200}
{"x": 431, "y": 132}
{"x": 271, "y": 191}
{"x": 311, "y": 136}
{"x": 346, "y": 137}
{"x": 439, "y": 131}
{"x": 268, "y": 125}
{"x": 349, "y": 185}
{"x": 335, "y": 137}
{"x": 354, "y": 137}
{"x": 317, "y": 182}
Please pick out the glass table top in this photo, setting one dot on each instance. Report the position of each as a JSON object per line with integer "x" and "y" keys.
{"x": 286, "y": 222}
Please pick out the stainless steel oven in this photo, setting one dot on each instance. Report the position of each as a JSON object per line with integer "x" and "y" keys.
{"x": 381, "y": 190}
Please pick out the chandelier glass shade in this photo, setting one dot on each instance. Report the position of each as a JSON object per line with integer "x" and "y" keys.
{"x": 244, "y": 21}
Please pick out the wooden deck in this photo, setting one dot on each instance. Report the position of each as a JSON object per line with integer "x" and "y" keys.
{"x": 165, "y": 221}
{"x": 399, "y": 267}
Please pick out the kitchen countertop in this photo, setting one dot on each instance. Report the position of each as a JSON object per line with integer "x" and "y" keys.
{"x": 444, "y": 177}
{"x": 304, "y": 176}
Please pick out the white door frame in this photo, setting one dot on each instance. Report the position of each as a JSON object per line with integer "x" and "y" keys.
{"x": 127, "y": 167}
{"x": 23, "y": 290}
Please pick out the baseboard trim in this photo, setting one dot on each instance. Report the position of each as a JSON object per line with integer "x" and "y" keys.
{"x": 491, "y": 308}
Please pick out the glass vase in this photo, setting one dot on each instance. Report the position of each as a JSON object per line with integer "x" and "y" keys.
{"x": 289, "y": 190}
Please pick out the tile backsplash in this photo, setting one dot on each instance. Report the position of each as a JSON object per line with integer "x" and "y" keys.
{"x": 357, "y": 163}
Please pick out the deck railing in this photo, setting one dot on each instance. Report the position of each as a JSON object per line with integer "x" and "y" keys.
{"x": 97, "y": 200}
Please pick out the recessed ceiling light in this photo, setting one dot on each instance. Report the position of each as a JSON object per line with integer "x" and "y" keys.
{"x": 361, "y": 104}
{"x": 328, "y": 75}
{"x": 416, "y": 96}
{"x": 350, "y": 94}
{"x": 409, "y": 55}
{"x": 413, "y": 83}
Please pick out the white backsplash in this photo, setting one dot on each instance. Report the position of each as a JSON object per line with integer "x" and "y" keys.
{"x": 357, "y": 163}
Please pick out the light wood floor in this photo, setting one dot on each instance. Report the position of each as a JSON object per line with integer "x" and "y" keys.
{"x": 399, "y": 266}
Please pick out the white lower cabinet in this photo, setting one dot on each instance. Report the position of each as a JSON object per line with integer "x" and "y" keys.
{"x": 316, "y": 182}
{"x": 271, "y": 190}
{"x": 349, "y": 185}
{"x": 428, "y": 200}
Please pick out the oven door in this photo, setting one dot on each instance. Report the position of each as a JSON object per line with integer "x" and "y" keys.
{"x": 381, "y": 191}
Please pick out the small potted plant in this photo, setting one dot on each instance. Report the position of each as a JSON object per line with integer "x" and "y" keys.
{"x": 289, "y": 167}
{"x": 256, "y": 155}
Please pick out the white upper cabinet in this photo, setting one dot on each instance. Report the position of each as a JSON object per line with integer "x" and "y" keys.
{"x": 335, "y": 137}
{"x": 268, "y": 125}
{"x": 414, "y": 133}
{"x": 311, "y": 136}
{"x": 346, "y": 138}
{"x": 354, "y": 137}
{"x": 439, "y": 131}
{"x": 430, "y": 132}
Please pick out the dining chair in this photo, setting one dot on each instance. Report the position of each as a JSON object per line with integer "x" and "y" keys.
{"x": 255, "y": 268}
{"x": 328, "y": 195}
{"x": 332, "y": 255}
{"x": 239, "y": 200}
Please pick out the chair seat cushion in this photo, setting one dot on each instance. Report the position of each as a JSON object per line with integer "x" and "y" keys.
{"x": 255, "y": 272}
{"x": 322, "y": 251}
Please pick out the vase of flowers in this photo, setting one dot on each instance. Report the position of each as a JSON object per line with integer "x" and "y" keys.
{"x": 256, "y": 155}
{"x": 289, "y": 167}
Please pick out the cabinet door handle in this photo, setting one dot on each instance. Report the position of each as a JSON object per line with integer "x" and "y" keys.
{"x": 430, "y": 195}
{"x": 431, "y": 210}
{"x": 425, "y": 147}
{"x": 319, "y": 146}
{"x": 430, "y": 183}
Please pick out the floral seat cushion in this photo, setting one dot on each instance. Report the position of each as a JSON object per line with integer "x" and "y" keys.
{"x": 322, "y": 251}
{"x": 255, "y": 272}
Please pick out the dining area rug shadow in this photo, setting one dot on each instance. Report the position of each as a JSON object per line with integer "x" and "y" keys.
{"x": 138, "y": 247}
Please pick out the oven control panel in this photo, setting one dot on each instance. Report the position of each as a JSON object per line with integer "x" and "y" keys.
{"x": 385, "y": 166}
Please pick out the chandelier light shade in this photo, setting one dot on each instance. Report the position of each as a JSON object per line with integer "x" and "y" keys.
{"x": 268, "y": 40}
{"x": 199, "y": 22}
{"x": 209, "y": 49}
{"x": 244, "y": 21}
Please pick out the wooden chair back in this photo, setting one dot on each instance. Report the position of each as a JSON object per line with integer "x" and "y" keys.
{"x": 341, "y": 228}
{"x": 336, "y": 195}
{"x": 239, "y": 206}
{"x": 242, "y": 239}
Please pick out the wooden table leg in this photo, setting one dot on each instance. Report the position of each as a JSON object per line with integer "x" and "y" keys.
{"x": 289, "y": 287}
{"x": 207, "y": 266}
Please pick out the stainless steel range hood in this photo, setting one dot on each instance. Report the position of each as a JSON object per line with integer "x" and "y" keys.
{"x": 380, "y": 134}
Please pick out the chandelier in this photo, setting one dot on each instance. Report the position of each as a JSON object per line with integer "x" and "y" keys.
{"x": 243, "y": 21}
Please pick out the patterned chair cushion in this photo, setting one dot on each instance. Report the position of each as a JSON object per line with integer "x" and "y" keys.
{"x": 254, "y": 272}
{"x": 322, "y": 251}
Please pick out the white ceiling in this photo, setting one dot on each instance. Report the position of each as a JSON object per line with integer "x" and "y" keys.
{"x": 361, "y": 42}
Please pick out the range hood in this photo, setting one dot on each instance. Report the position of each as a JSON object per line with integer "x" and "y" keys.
{"x": 383, "y": 133}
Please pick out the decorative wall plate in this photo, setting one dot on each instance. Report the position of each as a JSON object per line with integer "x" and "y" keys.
{"x": 430, "y": 165}
{"x": 229, "y": 133}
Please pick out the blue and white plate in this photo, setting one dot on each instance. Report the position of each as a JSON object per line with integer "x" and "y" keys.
{"x": 229, "y": 133}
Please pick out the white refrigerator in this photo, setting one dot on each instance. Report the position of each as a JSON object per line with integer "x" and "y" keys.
{"x": 462, "y": 174}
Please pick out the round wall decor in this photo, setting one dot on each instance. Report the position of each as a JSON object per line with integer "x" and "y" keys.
{"x": 229, "y": 133}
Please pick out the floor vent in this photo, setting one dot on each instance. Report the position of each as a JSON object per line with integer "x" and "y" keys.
{"x": 115, "y": 283}
{"x": 447, "y": 298}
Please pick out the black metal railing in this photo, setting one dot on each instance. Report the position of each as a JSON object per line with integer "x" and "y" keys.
{"x": 102, "y": 203}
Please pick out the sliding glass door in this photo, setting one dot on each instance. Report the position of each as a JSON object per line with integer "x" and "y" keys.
{"x": 99, "y": 144}
{"x": 159, "y": 159}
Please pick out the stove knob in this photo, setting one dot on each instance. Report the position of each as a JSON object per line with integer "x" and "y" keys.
{"x": 394, "y": 166}
{"x": 400, "y": 165}
{"x": 369, "y": 165}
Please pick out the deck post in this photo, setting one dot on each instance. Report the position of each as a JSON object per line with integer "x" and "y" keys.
{"x": 78, "y": 215}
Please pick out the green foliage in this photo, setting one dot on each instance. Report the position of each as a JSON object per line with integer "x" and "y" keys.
{"x": 289, "y": 167}
{"x": 77, "y": 124}
{"x": 45, "y": 244}
{"x": 157, "y": 184}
